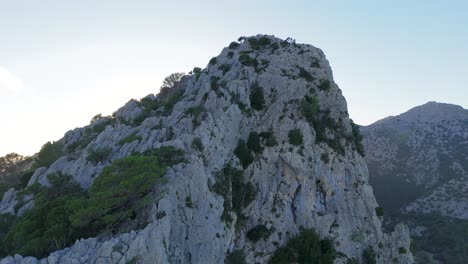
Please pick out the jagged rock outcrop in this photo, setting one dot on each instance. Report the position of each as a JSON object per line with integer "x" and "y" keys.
{"x": 306, "y": 173}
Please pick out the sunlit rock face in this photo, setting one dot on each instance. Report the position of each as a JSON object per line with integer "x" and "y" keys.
{"x": 305, "y": 173}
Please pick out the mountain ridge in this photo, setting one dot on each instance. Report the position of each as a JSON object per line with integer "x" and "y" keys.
{"x": 269, "y": 150}
{"x": 422, "y": 154}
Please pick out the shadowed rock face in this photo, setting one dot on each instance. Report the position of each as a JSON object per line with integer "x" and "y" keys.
{"x": 418, "y": 167}
{"x": 312, "y": 182}
{"x": 423, "y": 154}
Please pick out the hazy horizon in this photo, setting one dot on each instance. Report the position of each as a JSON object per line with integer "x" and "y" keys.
{"x": 63, "y": 62}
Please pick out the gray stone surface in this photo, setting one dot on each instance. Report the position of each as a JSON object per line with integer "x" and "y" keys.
{"x": 296, "y": 188}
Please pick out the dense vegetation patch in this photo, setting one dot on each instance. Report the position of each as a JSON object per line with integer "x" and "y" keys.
{"x": 15, "y": 172}
{"x": 295, "y": 137}
{"x": 234, "y": 45}
{"x": 236, "y": 193}
{"x": 244, "y": 154}
{"x": 268, "y": 138}
{"x": 257, "y": 98}
{"x": 64, "y": 212}
{"x": 303, "y": 73}
{"x": 213, "y": 61}
{"x": 253, "y": 142}
{"x": 307, "y": 247}
{"x": 235, "y": 257}
{"x": 224, "y": 68}
{"x": 368, "y": 256}
{"x": 357, "y": 138}
{"x": 323, "y": 123}
{"x": 379, "y": 211}
{"x": 444, "y": 239}
{"x": 246, "y": 60}
{"x": 259, "y": 232}
{"x": 259, "y": 43}
{"x": 96, "y": 155}
{"x": 197, "y": 144}
{"x": 324, "y": 85}
{"x": 49, "y": 153}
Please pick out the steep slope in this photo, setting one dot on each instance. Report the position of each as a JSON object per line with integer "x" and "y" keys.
{"x": 418, "y": 166}
{"x": 269, "y": 150}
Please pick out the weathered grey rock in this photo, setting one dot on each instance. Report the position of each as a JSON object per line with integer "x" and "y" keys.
{"x": 7, "y": 205}
{"x": 296, "y": 186}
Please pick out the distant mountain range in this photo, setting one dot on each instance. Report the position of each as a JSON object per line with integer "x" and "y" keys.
{"x": 418, "y": 167}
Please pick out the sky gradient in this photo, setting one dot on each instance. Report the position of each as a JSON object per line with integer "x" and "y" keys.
{"x": 62, "y": 62}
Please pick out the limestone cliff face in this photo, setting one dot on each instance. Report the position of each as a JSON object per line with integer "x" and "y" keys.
{"x": 321, "y": 184}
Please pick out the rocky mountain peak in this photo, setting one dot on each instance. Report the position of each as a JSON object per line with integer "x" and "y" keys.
{"x": 435, "y": 112}
{"x": 430, "y": 112}
{"x": 269, "y": 150}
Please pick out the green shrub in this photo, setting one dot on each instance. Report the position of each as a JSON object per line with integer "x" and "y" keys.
{"x": 63, "y": 212}
{"x": 246, "y": 60}
{"x": 315, "y": 63}
{"x": 98, "y": 155}
{"x": 225, "y": 68}
{"x": 188, "y": 201}
{"x": 259, "y": 43}
{"x": 274, "y": 46}
{"x": 172, "y": 100}
{"x": 195, "y": 112}
{"x": 257, "y": 98}
{"x": 324, "y": 85}
{"x": 46, "y": 227}
{"x": 357, "y": 138}
{"x": 237, "y": 194}
{"x": 230, "y": 54}
{"x": 295, "y": 137}
{"x": 234, "y": 45}
{"x": 305, "y": 248}
{"x": 214, "y": 82}
{"x": 197, "y": 72}
{"x": 166, "y": 155}
{"x": 310, "y": 109}
{"x": 49, "y": 153}
{"x": 402, "y": 250}
{"x": 243, "y": 154}
{"x": 213, "y": 61}
{"x": 369, "y": 256}
{"x": 118, "y": 194}
{"x": 235, "y": 257}
{"x": 259, "y": 232}
{"x": 130, "y": 138}
{"x": 268, "y": 138}
{"x": 197, "y": 144}
{"x": 306, "y": 75}
{"x": 379, "y": 211}
{"x": 253, "y": 143}
{"x": 7, "y": 221}
{"x": 102, "y": 123}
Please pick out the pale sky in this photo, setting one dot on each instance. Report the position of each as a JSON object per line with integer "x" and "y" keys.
{"x": 62, "y": 62}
